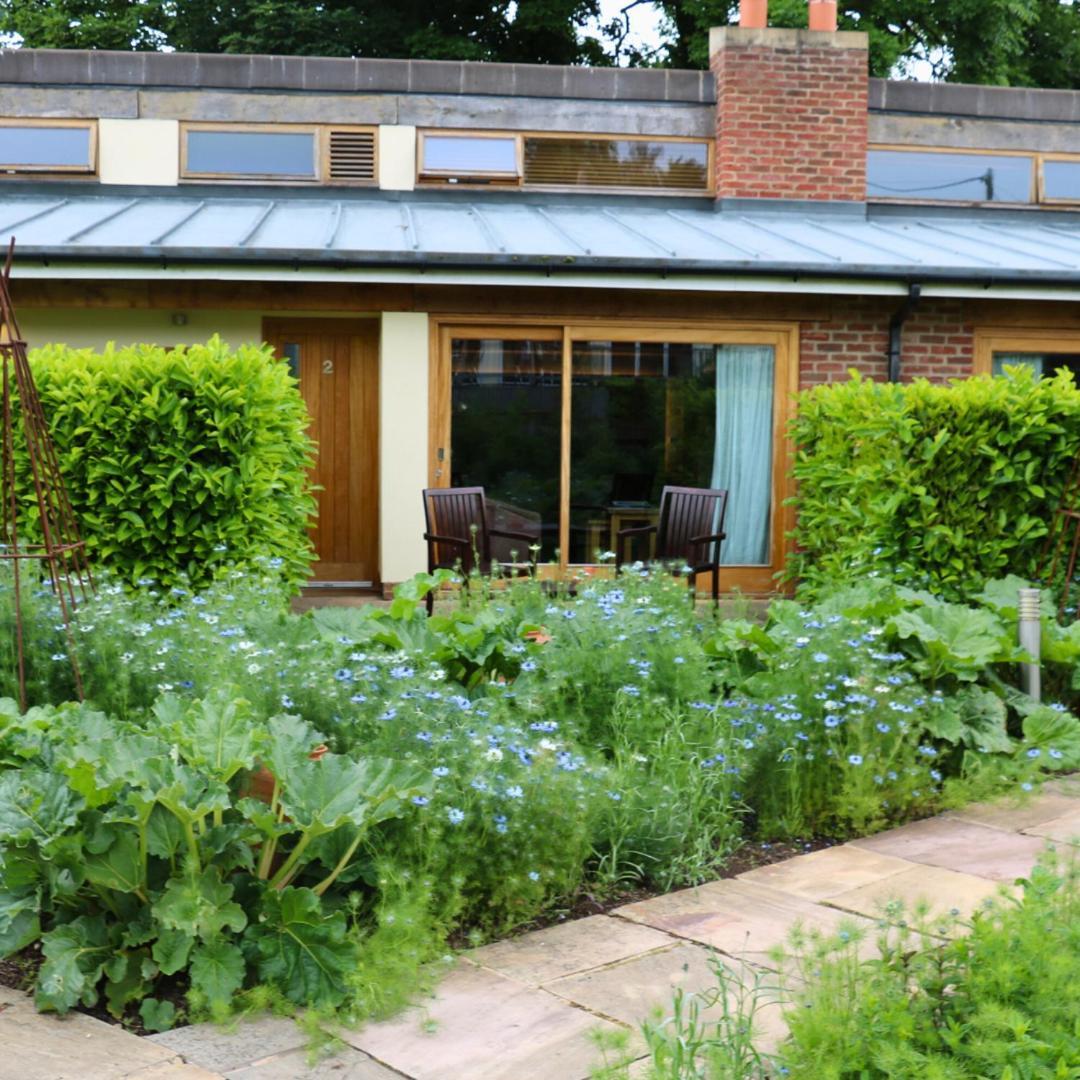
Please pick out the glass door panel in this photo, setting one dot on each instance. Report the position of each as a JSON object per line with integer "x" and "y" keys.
{"x": 505, "y": 427}
{"x": 649, "y": 413}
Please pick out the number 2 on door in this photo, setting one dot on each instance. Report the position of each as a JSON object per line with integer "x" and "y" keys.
{"x": 328, "y": 367}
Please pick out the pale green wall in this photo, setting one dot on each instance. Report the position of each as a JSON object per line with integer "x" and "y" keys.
{"x": 89, "y": 328}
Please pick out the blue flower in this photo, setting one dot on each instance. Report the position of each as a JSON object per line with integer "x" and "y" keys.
{"x": 358, "y": 699}
{"x": 883, "y": 727}
{"x": 389, "y": 714}
{"x": 820, "y": 657}
{"x": 343, "y": 675}
{"x": 515, "y": 792}
{"x": 455, "y": 816}
{"x": 529, "y": 665}
{"x": 401, "y": 672}
{"x": 420, "y": 800}
{"x": 1034, "y": 752}
{"x": 832, "y": 720}
{"x": 631, "y": 691}
{"x": 500, "y": 823}
{"x": 440, "y": 770}
{"x": 855, "y": 759}
{"x": 424, "y": 736}
{"x": 533, "y": 875}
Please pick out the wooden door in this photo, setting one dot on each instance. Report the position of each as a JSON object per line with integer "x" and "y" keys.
{"x": 337, "y": 363}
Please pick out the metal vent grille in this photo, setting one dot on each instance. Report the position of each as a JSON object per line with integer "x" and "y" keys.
{"x": 351, "y": 157}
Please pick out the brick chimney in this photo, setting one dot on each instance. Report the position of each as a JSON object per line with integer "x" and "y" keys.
{"x": 791, "y": 113}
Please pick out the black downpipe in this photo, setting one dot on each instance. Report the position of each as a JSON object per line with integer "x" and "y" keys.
{"x": 896, "y": 329}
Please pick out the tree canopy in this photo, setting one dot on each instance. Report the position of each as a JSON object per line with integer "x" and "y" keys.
{"x": 1007, "y": 42}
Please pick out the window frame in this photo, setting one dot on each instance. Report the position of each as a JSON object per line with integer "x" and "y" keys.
{"x": 424, "y": 180}
{"x": 1045, "y": 199}
{"x": 485, "y": 178}
{"x": 321, "y": 150}
{"x": 782, "y": 336}
{"x": 990, "y": 340}
{"x": 1033, "y": 187}
{"x": 90, "y": 170}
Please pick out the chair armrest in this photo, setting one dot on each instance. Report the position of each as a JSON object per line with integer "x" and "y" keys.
{"x": 708, "y": 537}
{"x": 456, "y": 541}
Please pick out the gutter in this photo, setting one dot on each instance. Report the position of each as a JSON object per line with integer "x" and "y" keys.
{"x": 896, "y": 329}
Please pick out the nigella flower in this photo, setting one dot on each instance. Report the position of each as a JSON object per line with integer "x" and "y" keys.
{"x": 544, "y": 725}
{"x": 614, "y": 796}
{"x": 389, "y": 714}
{"x": 935, "y": 776}
{"x": 533, "y": 875}
{"x": 440, "y": 770}
{"x": 929, "y": 751}
{"x": 358, "y": 699}
{"x": 1058, "y": 707}
{"x": 455, "y": 816}
{"x": 1034, "y": 752}
{"x": 286, "y": 702}
{"x": 343, "y": 675}
{"x": 854, "y": 759}
{"x": 478, "y": 785}
{"x": 1026, "y": 786}
{"x": 832, "y": 721}
{"x": 401, "y": 672}
{"x": 500, "y": 823}
{"x": 630, "y": 691}
{"x": 529, "y": 665}
{"x": 1057, "y": 755}
{"x": 515, "y": 792}
{"x": 420, "y": 800}
{"x": 883, "y": 727}
{"x": 424, "y": 736}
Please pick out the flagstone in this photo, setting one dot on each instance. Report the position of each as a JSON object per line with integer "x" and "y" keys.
{"x": 959, "y": 845}
{"x": 44, "y": 1046}
{"x": 1064, "y": 829}
{"x": 223, "y": 1048}
{"x": 347, "y": 1064}
{"x": 633, "y": 990}
{"x": 943, "y": 890}
{"x": 484, "y": 1026}
{"x": 740, "y": 918}
{"x": 826, "y": 873}
{"x": 1017, "y": 816}
{"x": 575, "y": 946}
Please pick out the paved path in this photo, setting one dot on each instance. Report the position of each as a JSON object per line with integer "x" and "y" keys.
{"x": 523, "y": 1009}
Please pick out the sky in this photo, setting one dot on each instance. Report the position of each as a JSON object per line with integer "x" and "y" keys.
{"x": 644, "y": 22}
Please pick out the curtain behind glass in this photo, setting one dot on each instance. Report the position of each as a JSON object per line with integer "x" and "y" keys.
{"x": 1031, "y": 360}
{"x": 742, "y": 459}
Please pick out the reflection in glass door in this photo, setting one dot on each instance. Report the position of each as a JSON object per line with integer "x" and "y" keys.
{"x": 645, "y": 414}
{"x": 505, "y": 427}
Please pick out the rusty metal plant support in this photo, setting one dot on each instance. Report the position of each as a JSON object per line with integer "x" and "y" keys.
{"x": 62, "y": 550}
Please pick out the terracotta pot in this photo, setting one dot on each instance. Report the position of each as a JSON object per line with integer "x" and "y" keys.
{"x": 822, "y": 15}
{"x": 754, "y": 14}
{"x": 261, "y": 782}
{"x": 538, "y": 637}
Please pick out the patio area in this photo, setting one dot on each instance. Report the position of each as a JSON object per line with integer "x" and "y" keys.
{"x": 525, "y": 1008}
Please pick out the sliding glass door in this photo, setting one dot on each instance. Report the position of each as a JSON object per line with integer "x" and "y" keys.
{"x": 574, "y": 431}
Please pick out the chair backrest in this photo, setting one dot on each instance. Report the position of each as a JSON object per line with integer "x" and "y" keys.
{"x": 458, "y": 514}
{"x": 687, "y": 512}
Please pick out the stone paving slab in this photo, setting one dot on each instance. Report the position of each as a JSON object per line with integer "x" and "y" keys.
{"x": 826, "y": 873}
{"x": 42, "y": 1046}
{"x": 173, "y": 1071}
{"x": 632, "y": 990}
{"x": 1064, "y": 829}
{"x": 347, "y": 1064}
{"x": 739, "y": 918}
{"x": 996, "y": 854}
{"x": 225, "y": 1048}
{"x": 556, "y": 951}
{"x": 944, "y": 891}
{"x": 1011, "y": 816}
{"x": 484, "y": 1026}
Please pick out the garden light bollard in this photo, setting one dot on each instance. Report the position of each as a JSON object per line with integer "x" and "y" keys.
{"x": 1031, "y": 639}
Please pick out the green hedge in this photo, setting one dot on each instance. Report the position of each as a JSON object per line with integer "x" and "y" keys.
{"x": 180, "y": 461}
{"x": 945, "y": 486}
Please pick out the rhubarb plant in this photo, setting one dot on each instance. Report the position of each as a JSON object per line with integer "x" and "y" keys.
{"x": 136, "y": 856}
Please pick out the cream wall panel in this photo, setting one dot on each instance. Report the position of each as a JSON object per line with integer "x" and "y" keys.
{"x": 139, "y": 152}
{"x": 84, "y": 328}
{"x": 397, "y": 157}
{"x": 403, "y": 443}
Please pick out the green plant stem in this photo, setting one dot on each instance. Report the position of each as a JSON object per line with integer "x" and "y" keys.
{"x": 193, "y": 846}
{"x": 270, "y": 847}
{"x": 284, "y": 875}
{"x": 330, "y": 878}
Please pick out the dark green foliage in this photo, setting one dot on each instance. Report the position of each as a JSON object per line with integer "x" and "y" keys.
{"x": 940, "y": 486}
{"x": 178, "y": 462}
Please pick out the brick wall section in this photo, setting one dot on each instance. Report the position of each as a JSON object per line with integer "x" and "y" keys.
{"x": 854, "y": 333}
{"x": 791, "y": 114}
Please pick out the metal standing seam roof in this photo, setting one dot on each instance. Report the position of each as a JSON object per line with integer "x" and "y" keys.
{"x": 458, "y": 229}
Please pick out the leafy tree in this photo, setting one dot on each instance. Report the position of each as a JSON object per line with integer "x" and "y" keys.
{"x": 1005, "y": 42}
{"x": 530, "y": 31}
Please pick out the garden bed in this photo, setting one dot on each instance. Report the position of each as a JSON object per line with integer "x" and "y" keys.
{"x": 521, "y": 758}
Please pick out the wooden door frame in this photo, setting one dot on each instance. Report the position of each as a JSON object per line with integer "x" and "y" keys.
{"x": 783, "y": 336}
{"x": 281, "y": 327}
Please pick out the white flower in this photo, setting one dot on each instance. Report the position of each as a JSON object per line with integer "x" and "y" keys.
{"x": 254, "y": 669}
{"x": 548, "y": 744}
{"x": 494, "y": 754}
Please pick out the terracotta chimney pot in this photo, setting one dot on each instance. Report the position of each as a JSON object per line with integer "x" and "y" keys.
{"x": 823, "y": 15}
{"x": 754, "y": 14}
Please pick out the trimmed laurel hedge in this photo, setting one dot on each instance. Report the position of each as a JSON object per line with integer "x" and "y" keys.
{"x": 179, "y": 461}
{"x": 942, "y": 486}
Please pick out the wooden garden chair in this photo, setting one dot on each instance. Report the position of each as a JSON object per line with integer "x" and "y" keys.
{"x": 689, "y": 529}
{"x": 459, "y": 534}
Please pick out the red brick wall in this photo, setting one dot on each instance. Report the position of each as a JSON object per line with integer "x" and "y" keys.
{"x": 791, "y": 118}
{"x": 854, "y": 333}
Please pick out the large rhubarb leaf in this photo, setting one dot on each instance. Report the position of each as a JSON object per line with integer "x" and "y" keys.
{"x": 75, "y": 957}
